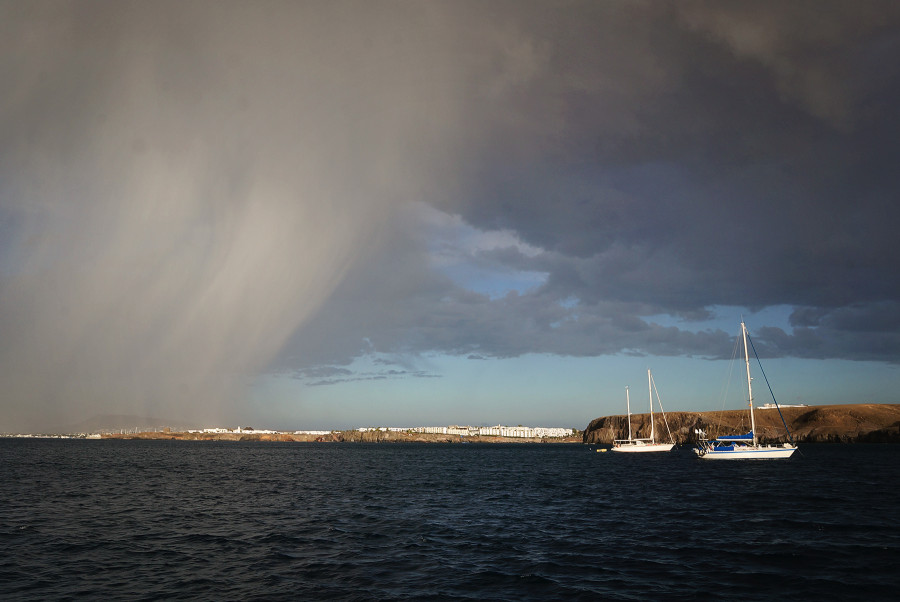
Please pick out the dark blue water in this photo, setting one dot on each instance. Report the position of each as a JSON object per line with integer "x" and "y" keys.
{"x": 229, "y": 521}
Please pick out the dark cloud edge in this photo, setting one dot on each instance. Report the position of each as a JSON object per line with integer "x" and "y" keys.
{"x": 828, "y": 339}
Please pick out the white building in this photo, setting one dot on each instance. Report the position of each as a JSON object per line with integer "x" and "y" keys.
{"x": 495, "y": 431}
{"x": 462, "y": 431}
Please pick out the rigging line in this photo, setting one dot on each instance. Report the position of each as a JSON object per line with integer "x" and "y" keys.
{"x": 726, "y": 386}
{"x": 777, "y": 407}
{"x": 659, "y": 401}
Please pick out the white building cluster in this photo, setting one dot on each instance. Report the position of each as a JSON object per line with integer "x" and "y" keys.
{"x": 244, "y": 430}
{"x": 526, "y": 432}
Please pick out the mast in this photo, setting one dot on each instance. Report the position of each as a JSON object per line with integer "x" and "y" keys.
{"x": 628, "y": 407}
{"x": 749, "y": 379}
{"x": 650, "y": 388}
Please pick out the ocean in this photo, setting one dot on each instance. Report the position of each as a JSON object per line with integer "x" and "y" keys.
{"x": 145, "y": 520}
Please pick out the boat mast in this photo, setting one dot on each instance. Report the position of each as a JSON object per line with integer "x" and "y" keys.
{"x": 628, "y": 407}
{"x": 650, "y": 388}
{"x": 749, "y": 379}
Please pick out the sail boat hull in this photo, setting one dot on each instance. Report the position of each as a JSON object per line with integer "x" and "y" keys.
{"x": 643, "y": 447}
{"x": 632, "y": 445}
{"x": 742, "y": 447}
{"x": 765, "y": 452}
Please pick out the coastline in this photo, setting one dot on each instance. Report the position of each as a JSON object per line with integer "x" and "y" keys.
{"x": 845, "y": 423}
{"x": 352, "y": 436}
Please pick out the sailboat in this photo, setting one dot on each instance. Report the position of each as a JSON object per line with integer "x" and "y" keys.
{"x": 747, "y": 446}
{"x": 642, "y": 445}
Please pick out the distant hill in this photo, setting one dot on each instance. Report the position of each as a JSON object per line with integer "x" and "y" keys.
{"x": 866, "y": 422}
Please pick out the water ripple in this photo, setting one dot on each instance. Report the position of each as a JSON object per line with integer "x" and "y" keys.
{"x": 203, "y": 520}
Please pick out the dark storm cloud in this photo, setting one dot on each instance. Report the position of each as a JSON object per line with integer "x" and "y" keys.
{"x": 669, "y": 158}
{"x": 405, "y": 308}
{"x": 727, "y": 178}
{"x": 709, "y": 154}
{"x": 862, "y": 331}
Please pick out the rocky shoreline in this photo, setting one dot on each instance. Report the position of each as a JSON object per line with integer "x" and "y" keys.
{"x": 848, "y": 423}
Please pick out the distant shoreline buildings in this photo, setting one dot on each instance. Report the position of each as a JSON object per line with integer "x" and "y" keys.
{"x": 526, "y": 432}
{"x": 523, "y": 432}
{"x": 249, "y": 430}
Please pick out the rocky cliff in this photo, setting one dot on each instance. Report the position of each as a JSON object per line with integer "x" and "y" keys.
{"x": 814, "y": 424}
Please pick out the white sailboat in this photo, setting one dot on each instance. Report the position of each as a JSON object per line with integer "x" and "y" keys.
{"x": 747, "y": 446}
{"x": 642, "y": 445}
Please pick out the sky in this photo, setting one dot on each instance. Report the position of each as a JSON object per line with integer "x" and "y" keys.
{"x": 331, "y": 214}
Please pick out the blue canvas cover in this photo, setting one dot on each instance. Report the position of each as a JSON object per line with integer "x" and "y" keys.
{"x": 747, "y": 437}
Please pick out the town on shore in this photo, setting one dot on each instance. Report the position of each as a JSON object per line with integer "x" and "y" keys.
{"x": 449, "y": 433}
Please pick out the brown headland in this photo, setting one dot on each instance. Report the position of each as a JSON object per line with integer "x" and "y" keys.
{"x": 848, "y": 423}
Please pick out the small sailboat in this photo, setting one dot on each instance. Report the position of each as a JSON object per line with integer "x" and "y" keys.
{"x": 746, "y": 446}
{"x": 648, "y": 444}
